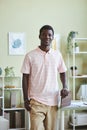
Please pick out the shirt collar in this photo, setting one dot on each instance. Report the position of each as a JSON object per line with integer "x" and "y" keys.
{"x": 44, "y": 51}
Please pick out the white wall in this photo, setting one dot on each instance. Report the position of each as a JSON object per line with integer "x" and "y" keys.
{"x": 29, "y": 15}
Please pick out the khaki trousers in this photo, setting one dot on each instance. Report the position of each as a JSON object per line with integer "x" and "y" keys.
{"x": 43, "y": 117}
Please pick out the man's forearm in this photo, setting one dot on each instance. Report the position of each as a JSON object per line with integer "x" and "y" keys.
{"x": 25, "y": 86}
{"x": 63, "y": 79}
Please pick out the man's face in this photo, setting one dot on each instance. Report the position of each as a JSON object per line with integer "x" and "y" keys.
{"x": 46, "y": 37}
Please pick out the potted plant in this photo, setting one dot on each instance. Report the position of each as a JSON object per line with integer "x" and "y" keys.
{"x": 73, "y": 70}
{"x": 70, "y": 38}
{"x": 9, "y": 72}
{"x": 76, "y": 47}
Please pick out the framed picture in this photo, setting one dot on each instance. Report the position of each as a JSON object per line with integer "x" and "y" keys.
{"x": 16, "y": 43}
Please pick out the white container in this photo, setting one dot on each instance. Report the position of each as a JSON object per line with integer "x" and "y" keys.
{"x": 77, "y": 49}
{"x": 79, "y": 119}
{"x": 74, "y": 72}
{"x": 4, "y": 124}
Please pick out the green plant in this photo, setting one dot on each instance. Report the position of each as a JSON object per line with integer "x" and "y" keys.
{"x": 9, "y": 71}
{"x": 70, "y": 38}
{"x": 76, "y": 44}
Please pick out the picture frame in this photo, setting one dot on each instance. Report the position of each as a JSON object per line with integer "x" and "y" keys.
{"x": 17, "y": 43}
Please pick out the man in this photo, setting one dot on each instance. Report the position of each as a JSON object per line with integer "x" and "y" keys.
{"x": 40, "y": 84}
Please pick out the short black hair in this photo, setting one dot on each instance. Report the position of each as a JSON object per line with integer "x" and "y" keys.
{"x": 46, "y": 27}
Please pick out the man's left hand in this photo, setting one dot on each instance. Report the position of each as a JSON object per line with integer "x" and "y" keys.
{"x": 64, "y": 92}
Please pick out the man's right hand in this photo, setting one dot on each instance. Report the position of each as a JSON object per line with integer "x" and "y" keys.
{"x": 27, "y": 105}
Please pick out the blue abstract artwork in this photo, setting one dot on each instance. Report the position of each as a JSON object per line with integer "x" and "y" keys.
{"x": 16, "y": 43}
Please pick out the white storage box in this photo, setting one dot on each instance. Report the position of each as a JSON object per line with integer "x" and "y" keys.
{"x": 82, "y": 92}
{"x": 4, "y": 124}
{"x": 79, "y": 119}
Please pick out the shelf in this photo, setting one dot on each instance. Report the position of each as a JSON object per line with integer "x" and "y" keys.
{"x": 11, "y": 76}
{"x": 81, "y": 52}
{"x": 1, "y": 97}
{"x": 77, "y": 58}
{"x": 15, "y": 109}
{"x": 76, "y": 125}
{"x": 83, "y": 76}
{"x": 80, "y": 39}
{"x": 11, "y": 101}
{"x": 17, "y": 128}
{"x": 11, "y": 89}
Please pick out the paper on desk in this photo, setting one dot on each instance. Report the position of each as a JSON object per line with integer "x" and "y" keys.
{"x": 78, "y": 103}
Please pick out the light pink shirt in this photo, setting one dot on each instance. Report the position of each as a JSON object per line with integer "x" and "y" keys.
{"x": 43, "y": 69}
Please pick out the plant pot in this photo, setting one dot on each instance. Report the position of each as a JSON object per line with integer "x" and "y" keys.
{"x": 77, "y": 49}
{"x": 73, "y": 70}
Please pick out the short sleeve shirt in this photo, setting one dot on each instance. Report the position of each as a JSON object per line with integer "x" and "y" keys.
{"x": 43, "y": 69}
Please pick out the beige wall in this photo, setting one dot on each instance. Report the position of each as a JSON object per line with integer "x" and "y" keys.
{"x": 29, "y": 15}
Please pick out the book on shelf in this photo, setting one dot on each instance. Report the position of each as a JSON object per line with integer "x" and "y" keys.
{"x": 17, "y": 119}
{"x": 7, "y": 102}
{"x": 13, "y": 99}
{"x": 12, "y": 119}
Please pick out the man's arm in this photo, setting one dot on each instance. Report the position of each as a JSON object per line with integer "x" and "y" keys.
{"x": 64, "y": 91}
{"x": 25, "y": 80}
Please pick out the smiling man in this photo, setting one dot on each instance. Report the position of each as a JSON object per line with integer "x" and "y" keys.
{"x": 40, "y": 83}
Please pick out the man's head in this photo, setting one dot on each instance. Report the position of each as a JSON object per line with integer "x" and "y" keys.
{"x": 46, "y": 35}
{"x": 46, "y": 27}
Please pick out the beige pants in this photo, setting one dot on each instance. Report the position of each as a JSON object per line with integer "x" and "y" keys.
{"x": 43, "y": 117}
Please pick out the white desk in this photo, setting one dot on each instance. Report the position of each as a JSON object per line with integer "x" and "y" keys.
{"x": 75, "y": 105}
